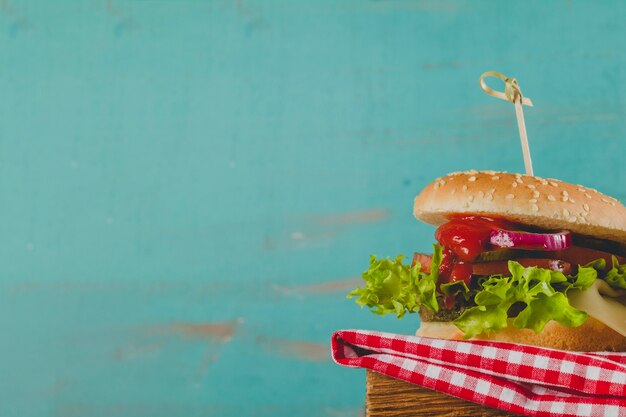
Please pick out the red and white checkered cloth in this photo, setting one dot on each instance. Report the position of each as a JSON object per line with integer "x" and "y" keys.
{"x": 516, "y": 378}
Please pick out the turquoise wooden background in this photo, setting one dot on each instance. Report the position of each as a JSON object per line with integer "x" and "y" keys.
{"x": 189, "y": 188}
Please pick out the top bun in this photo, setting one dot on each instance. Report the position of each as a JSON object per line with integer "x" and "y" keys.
{"x": 545, "y": 203}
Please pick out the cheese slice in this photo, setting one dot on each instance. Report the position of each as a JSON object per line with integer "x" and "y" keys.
{"x": 603, "y": 303}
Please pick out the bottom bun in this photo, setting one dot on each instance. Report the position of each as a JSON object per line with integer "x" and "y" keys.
{"x": 593, "y": 336}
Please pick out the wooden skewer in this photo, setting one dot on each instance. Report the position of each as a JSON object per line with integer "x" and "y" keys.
{"x": 528, "y": 163}
{"x": 513, "y": 94}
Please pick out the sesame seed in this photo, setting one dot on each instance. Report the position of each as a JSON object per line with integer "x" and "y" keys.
{"x": 586, "y": 207}
{"x": 572, "y": 219}
{"x": 551, "y": 198}
{"x": 532, "y": 200}
{"x": 535, "y": 207}
{"x": 518, "y": 179}
{"x": 470, "y": 198}
{"x": 565, "y": 198}
{"x": 582, "y": 190}
{"x": 605, "y": 200}
{"x": 565, "y": 192}
{"x": 535, "y": 194}
{"x": 543, "y": 182}
{"x": 588, "y": 196}
{"x": 554, "y": 184}
{"x": 565, "y": 213}
{"x": 495, "y": 177}
{"x": 584, "y": 214}
{"x": 436, "y": 186}
{"x": 612, "y": 203}
{"x": 571, "y": 200}
{"x": 464, "y": 187}
{"x": 532, "y": 187}
{"x": 472, "y": 178}
{"x": 472, "y": 171}
{"x": 514, "y": 184}
{"x": 490, "y": 197}
{"x": 510, "y": 196}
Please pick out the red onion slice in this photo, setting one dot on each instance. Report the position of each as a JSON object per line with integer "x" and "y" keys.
{"x": 502, "y": 267}
{"x": 525, "y": 240}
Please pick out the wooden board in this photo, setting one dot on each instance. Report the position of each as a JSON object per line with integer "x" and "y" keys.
{"x": 389, "y": 397}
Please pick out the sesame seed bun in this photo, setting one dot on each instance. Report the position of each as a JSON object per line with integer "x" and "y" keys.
{"x": 545, "y": 203}
{"x": 592, "y": 336}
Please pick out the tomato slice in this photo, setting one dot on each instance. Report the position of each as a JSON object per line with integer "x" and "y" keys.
{"x": 565, "y": 261}
{"x": 445, "y": 269}
{"x": 578, "y": 255}
{"x": 501, "y": 267}
{"x": 424, "y": 261}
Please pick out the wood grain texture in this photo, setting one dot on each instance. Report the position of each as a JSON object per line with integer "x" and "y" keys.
{"x": 389, "y": 397}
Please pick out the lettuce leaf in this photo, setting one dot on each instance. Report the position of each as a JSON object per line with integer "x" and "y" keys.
{"x": 454, "y": 288}
{"x": 616, "y": 277}
{"x": 534, "y": 296}
{"x": 532, "y": 287}
{"x": 427, "y": 283}
{"x": 392, "y": 287}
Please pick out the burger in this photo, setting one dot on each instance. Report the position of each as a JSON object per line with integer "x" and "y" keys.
{"x": 518, "y": 259}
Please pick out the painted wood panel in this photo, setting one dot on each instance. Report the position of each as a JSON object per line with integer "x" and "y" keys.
{"x": 189, "y": 188}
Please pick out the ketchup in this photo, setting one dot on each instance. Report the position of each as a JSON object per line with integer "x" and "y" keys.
{"x": 461, "y": 271}
{"x": 463, "y": 239}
